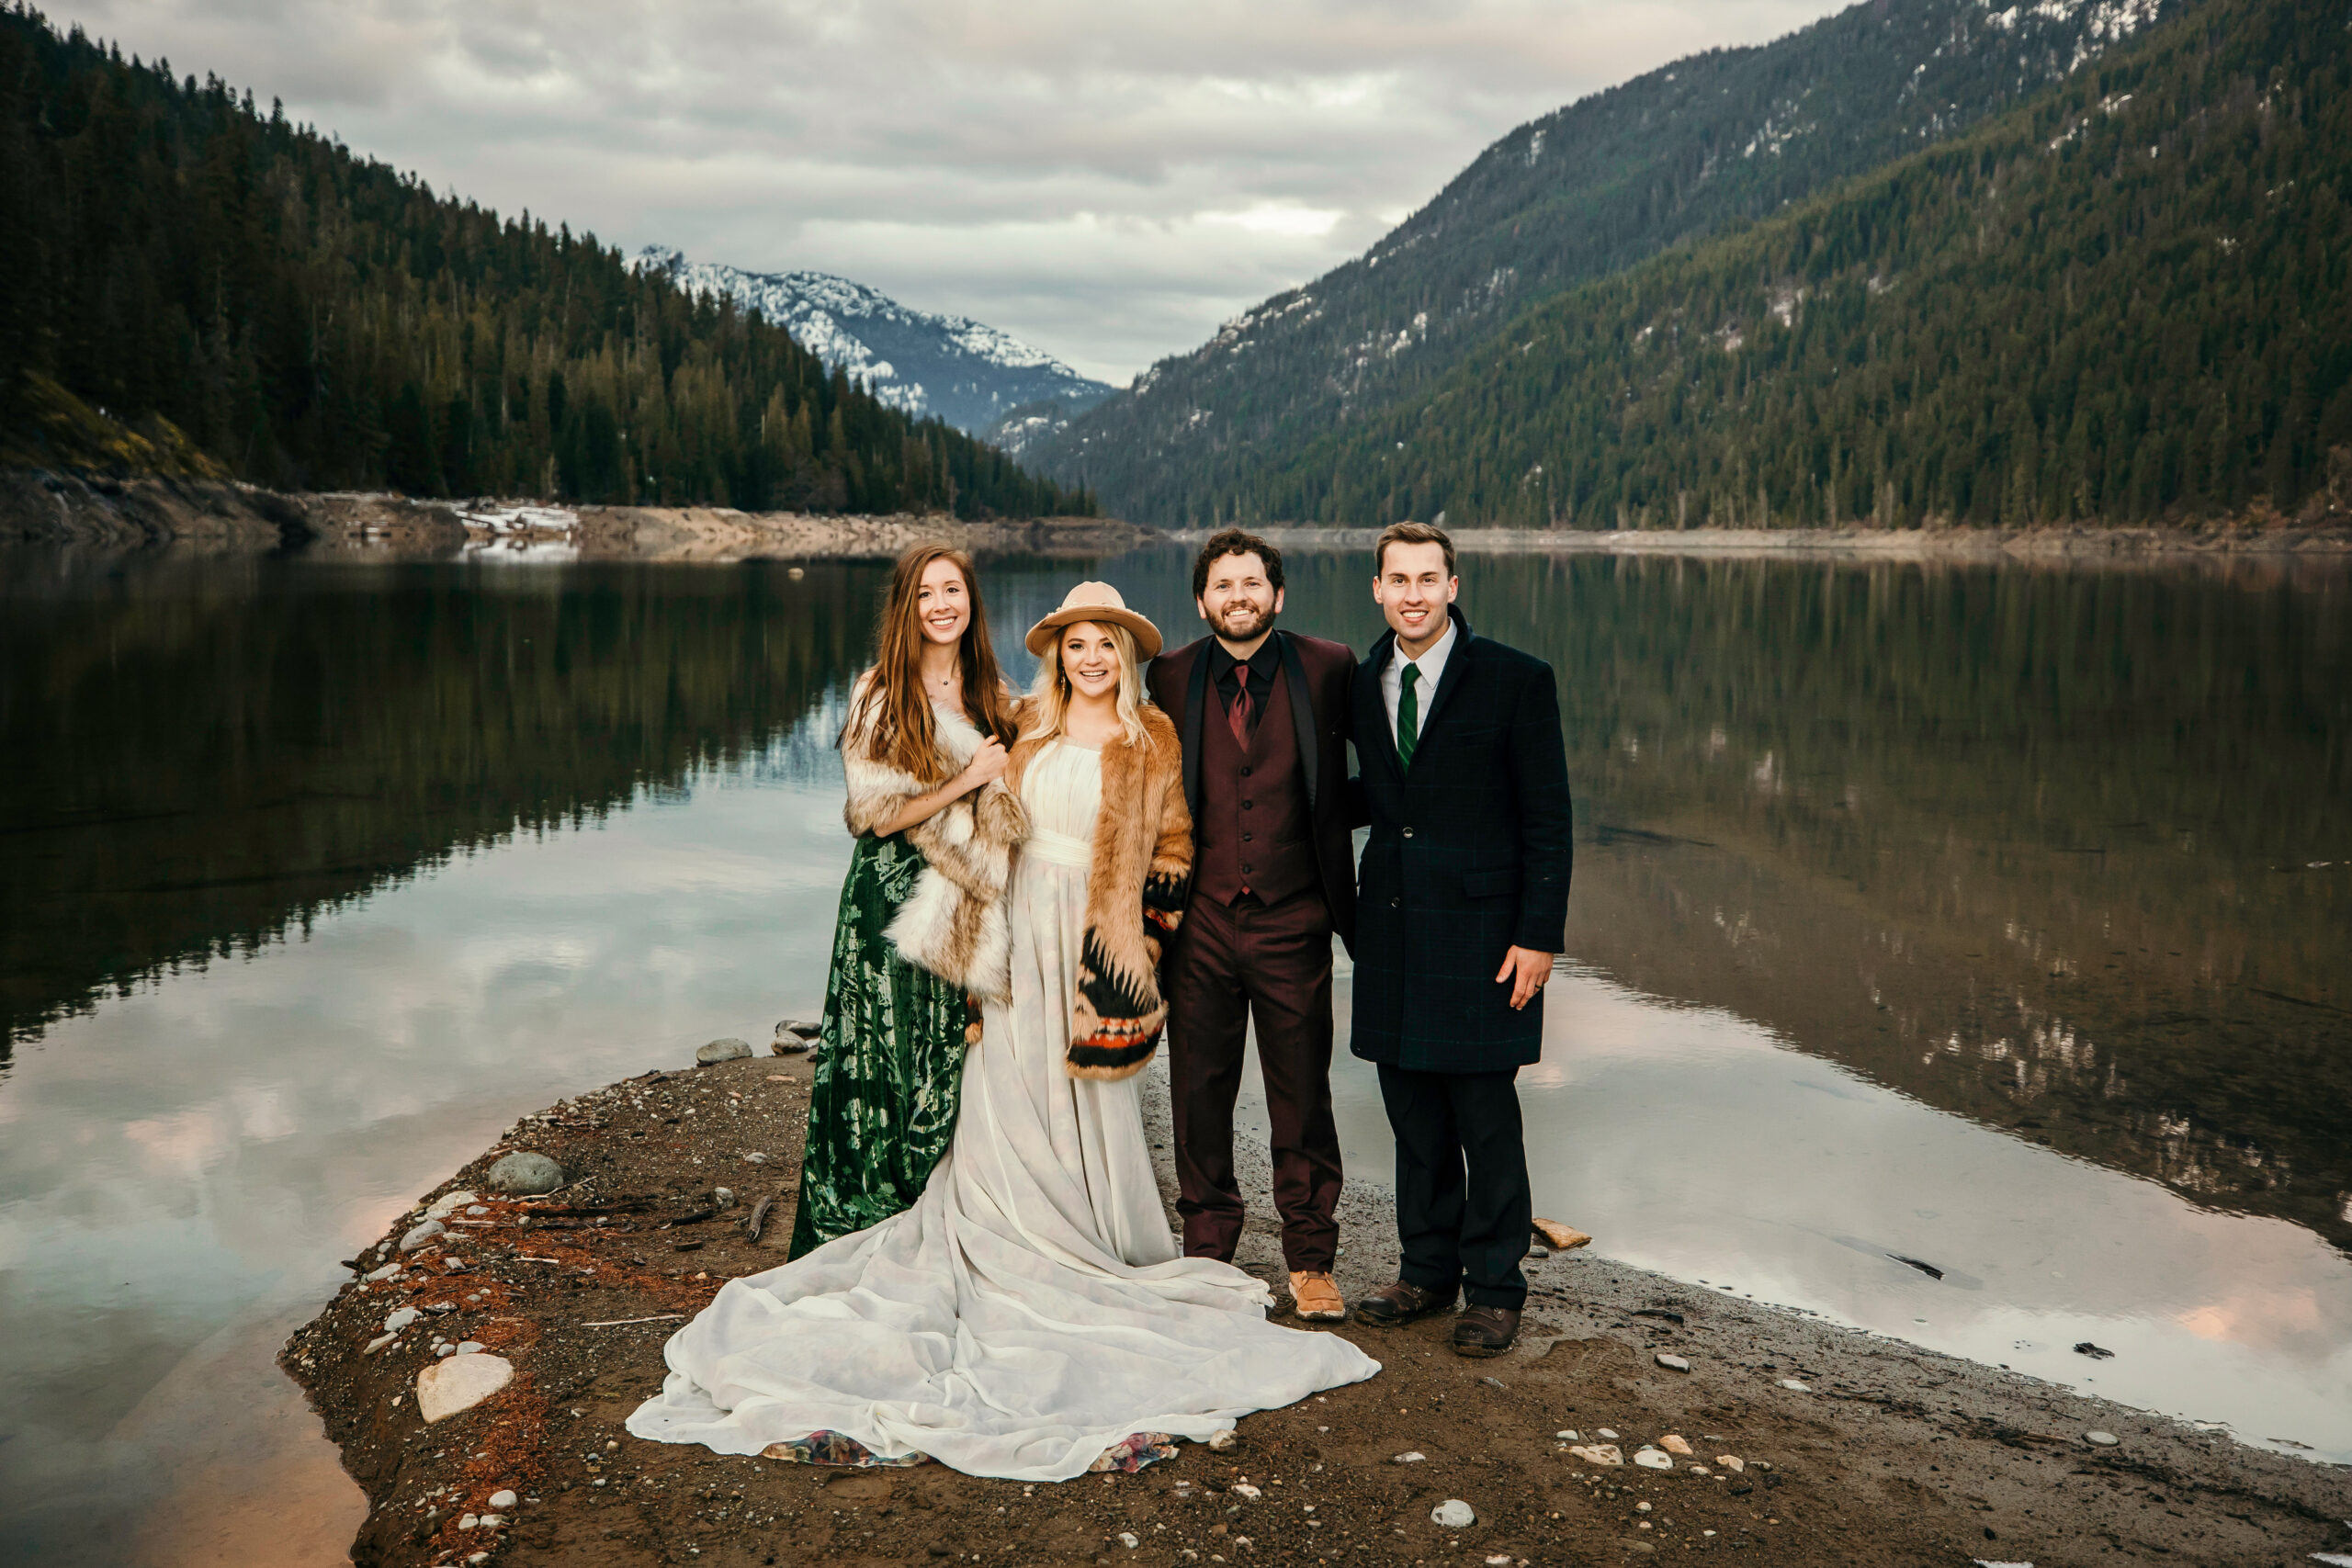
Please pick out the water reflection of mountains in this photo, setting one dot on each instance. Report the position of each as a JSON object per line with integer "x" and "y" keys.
{"x": 2036, "y": 848}
{"x": 2033, "y": 847}
{"x": 205, "y": 755}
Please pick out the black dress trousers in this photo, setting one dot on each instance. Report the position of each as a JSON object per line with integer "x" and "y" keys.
{"x": 1463, "y": 1207}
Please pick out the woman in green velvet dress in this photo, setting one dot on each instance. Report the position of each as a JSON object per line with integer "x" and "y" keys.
{"x": 922, "y": 924}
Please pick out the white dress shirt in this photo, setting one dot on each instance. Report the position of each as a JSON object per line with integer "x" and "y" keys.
{"x": 1431, "y": 666}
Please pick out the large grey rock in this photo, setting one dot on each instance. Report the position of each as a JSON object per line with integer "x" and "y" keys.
{"x": 728, "y": 1050}
{"x": 444, "y": 1388}
{"x": 419, "y": 1234}
{"x": 526, "y": 1173}
{"x": 1453, "y": 1513}
{"x": 794, "y": 1034}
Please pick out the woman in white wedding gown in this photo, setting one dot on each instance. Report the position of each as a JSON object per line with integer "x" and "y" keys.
{"x": 1030, "y": 1312}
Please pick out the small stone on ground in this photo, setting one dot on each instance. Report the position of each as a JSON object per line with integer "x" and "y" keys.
{"x": 458, "y": 1384}
{"x": 1560, "y": 1237}
{"x": 525, "y": 1173}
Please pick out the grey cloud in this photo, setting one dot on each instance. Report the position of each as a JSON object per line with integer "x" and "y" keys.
{"x": 1107, "y": 181}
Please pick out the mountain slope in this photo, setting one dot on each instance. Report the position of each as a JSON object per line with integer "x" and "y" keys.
{"x": 951, "y": 367}
{"x": 2130, "y": 301}
{"x": 196, "y": 269}
{"x": 1692, "y": 149}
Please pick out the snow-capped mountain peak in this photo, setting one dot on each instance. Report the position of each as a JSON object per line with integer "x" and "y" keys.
{"x": 964, "y": 372}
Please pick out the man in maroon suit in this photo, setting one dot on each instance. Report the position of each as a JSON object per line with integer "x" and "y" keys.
{"x": 1263, "y": 714}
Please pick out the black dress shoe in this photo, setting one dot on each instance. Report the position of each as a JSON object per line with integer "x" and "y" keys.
{"x": 1401, "y": 1303}
{"x": 1484, "y": 1331}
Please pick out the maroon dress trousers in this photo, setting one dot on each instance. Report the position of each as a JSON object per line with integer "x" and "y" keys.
{"x": 1255, "y": 946}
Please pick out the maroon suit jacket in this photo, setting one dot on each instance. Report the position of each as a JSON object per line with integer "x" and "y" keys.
{"x": 1320, "y": 676}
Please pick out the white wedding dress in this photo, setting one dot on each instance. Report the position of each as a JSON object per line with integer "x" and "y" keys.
{"x": 1032, "y": 1310}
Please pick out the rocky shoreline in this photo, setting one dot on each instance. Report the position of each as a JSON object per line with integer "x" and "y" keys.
{"x": 37, "y": 507}
{"x": 1787, "y": 1439}
{"x": 42, "y": 507}
{"x": 2068, "y": 544}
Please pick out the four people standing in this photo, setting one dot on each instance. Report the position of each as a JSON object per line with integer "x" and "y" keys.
{"x": 1015, "y": 1305}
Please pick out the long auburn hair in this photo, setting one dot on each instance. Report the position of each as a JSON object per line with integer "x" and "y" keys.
{"x": 1049, "y": 696}
{"x": 892, "y": 709}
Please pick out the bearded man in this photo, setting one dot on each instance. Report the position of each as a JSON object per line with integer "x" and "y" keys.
{"x": 1263, "y": 715}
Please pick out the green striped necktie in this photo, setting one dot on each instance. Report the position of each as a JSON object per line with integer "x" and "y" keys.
{"x": 1408, "y": 716}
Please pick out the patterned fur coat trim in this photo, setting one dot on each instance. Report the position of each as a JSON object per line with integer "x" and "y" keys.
{"x": 954, "y": 923}
{"x": 1134, "y": 897}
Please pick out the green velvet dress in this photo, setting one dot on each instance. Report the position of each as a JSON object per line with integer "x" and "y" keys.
{"x": 888, "y": 1065}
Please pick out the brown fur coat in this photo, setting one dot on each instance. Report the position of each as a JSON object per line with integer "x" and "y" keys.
{"x": 1134, "y": 897}
{"x": 953, "y": 924}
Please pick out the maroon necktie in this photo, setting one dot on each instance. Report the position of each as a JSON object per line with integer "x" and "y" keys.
{"x": 1238, "y": 715}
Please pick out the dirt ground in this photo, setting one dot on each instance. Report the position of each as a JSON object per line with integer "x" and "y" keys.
{"x": 1888, "y": 1455}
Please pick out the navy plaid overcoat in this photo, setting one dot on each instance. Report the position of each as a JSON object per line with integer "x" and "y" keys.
{"x": 1469, "y": 855}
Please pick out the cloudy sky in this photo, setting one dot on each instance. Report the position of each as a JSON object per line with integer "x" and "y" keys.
{"x": 1109, "y": 181}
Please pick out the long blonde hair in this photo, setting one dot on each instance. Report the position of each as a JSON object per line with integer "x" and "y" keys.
{"x": 1049, "y": 693}
{"x": 892, "y": 710}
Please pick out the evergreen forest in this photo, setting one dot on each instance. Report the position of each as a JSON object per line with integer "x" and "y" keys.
{"x": 2128, "y": 301}
{"x": 1680, "y": 155}
{"x": 200, "y": 270}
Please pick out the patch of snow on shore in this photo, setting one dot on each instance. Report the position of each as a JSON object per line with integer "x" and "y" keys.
{"x": 518, "y": 518}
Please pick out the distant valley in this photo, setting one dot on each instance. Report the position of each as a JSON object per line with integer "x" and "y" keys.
{"x": 951, "y": 367}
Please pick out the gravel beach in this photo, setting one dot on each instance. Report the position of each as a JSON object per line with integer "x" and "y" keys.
{"x": 1788, "y": 1440}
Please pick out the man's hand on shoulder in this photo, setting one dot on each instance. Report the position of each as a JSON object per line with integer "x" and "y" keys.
{"x": 1526, "y": 970}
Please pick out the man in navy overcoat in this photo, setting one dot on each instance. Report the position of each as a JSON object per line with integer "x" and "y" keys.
{"x": 1461, "y": 899}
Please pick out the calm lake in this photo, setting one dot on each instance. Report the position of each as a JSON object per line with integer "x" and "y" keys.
{"x": 1995, "y": 918}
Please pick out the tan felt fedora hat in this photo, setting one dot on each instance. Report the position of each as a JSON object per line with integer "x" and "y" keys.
{"x": 1096, "y": 602}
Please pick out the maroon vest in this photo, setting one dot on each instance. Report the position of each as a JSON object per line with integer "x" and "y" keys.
{"x": 1253, "y": 833}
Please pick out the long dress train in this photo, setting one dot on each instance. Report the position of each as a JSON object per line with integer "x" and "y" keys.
{"x": 1032, "y": 1310}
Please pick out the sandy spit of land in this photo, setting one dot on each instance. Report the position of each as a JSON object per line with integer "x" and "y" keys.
{"x": 1887, "y": 1454}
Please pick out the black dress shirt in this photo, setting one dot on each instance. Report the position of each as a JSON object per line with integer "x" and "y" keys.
{"x": 1227, "y": 673}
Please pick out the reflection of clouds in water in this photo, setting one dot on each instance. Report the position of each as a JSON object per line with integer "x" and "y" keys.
{"x": 203, "y": 1150}
{"x": 1693, "y": 1141}
{"x": 179, "y": 1145}
{"x": 2254, "y": 1316}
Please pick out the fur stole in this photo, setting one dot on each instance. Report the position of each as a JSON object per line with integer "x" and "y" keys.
{"x": 1135, "y": 897}
{"x": 954, "y": 923}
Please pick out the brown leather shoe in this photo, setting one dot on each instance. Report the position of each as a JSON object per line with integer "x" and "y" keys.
{"x": 1315, "y": 1298}
{"x": 1484, "y": 1331}
{"x": 1401, "y": 1303}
